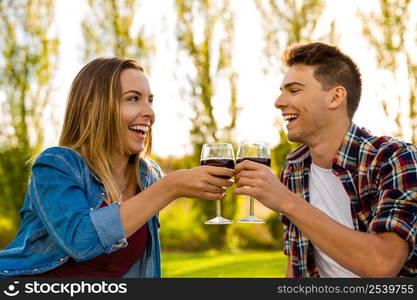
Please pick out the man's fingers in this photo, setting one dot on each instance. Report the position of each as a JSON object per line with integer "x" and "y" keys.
{"x": 245, "y": 182}
{"x": 246, "y": 174}
{"x": 248, "y": 191}
{"x": 248, "y": 165}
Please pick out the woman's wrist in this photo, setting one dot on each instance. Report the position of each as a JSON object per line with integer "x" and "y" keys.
{"x": 170, "y": 186}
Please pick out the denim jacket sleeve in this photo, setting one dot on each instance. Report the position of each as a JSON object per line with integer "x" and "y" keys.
{"x": 59, "y": 195}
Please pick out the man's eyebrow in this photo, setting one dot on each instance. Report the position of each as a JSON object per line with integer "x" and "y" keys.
{"x": 290, "y": 84}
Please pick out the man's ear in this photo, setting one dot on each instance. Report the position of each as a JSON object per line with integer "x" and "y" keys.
{"x": 338, "y": 97}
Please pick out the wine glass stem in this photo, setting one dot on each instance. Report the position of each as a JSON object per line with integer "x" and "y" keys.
{"x": 251, "y": 203}
{"x": 218, "y": 208}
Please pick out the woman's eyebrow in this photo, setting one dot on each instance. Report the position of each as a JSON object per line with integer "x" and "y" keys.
{"x": 132, "y": 91}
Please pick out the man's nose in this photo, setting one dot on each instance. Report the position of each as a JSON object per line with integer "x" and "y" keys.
{"x": 281, "y": 102}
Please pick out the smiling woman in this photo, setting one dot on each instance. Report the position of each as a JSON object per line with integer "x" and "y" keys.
{"x": 92, "y": 205}
{"x": 136, "y": 111}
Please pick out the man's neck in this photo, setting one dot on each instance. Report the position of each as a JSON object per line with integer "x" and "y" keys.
{"x": 325, "y": 147}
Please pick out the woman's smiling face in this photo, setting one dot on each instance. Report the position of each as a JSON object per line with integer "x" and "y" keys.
{"x": 136, "y": 111}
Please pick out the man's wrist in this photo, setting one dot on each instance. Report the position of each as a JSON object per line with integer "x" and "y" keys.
{"x": 291, "y": 203}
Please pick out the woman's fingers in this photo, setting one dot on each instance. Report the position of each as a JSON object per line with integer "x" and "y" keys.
{"x": 220, "y": 182}
{"x": 218, "y": 171}
{"x": 214, "y": 189}
{"x": 212, "y": 196}
{"x": 218, "y": 176}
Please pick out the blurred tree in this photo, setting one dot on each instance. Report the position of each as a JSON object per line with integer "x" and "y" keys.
{"x": 29, "y": 55}
{"x": 290, "y": 22}
{"x": 391, "y": 32}
{"x": 286, "y": 23}
{"x": 109, "y": 29}
{"x": 205, "y": 32}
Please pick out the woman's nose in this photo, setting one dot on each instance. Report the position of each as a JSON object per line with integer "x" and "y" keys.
{"x": 147, "y": 110}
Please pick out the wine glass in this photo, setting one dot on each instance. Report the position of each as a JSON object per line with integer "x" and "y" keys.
{"x": 258, "y": 152}
{"x": 218, "y": 155}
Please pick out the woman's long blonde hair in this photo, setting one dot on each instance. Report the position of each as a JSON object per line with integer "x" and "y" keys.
{"x": 92, "y": 119}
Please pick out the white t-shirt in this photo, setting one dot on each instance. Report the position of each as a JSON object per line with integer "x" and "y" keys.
{"x": 328, "y": 194}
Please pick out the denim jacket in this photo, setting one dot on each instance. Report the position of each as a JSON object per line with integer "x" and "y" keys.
{"x": 62, "y": 219}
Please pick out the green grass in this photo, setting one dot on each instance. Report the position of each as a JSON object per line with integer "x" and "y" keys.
{"x": 224, "y": 265}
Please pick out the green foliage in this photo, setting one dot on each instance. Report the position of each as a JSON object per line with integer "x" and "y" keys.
{"x": 198, "y": 28}
{"x": 286, "y": 23}
{"x": 211, "y": 56}
{"x": 276, "y": 229}
{"x": 172, "y": 163}
{"x": 8, "y": 230}
{"x": 217, "y": 234}
{"x": 391, "y": 33}
{"x": 108, "y": 30}
{"x": 289, "y": 22}
{"x": 391, "y": 25}
{"x": 280, "y": 151}
{"x": 250, "y": 236}
{"x": 13, "y": 165}
{"x": 213, "y": 264}
{"x": 29, "y": 55}
{"x": 181, "y": 229}
{"x": 182, "y": 223}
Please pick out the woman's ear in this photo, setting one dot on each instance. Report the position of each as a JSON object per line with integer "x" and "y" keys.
{"x": 338, "y": 97}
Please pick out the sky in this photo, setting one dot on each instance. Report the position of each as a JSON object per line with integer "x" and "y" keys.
{"x": 256, "y": 91}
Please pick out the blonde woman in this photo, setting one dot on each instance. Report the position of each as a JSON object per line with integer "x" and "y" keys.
{"x": 92, "y": 204}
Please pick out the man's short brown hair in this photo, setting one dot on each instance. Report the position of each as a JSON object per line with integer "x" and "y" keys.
{"x": 332, "y": 68}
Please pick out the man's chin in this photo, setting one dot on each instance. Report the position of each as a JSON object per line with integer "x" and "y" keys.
{"x": 294, "y": 138}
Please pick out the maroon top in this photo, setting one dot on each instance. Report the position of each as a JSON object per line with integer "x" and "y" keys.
{"x": 115, "y": 264}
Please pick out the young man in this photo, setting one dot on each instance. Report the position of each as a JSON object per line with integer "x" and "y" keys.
{"x": 348, "y": 199}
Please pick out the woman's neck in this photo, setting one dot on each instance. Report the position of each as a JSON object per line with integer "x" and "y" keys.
{"x": 122, "y": 171}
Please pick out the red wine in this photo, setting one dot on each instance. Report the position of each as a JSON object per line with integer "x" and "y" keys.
{"x": 260, "y": 160}
{"x": 219, "y": 162}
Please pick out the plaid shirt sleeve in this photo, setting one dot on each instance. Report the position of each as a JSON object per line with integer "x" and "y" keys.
{"x": 396, "y": 210}
{"x": 284, "y": 220}
{"x": 286, "y": 233}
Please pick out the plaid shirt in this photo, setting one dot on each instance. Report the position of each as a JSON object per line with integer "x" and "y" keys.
{"x": 380, "y": 176}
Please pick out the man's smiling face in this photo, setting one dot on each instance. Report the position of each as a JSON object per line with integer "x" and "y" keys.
{"x": 303, "y": 103}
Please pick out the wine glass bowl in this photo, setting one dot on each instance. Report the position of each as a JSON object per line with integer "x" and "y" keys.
{"x": 258, "y": 152}
{"x": 218, "y": 155}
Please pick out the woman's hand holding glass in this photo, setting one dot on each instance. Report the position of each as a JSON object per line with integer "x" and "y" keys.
{"x": 204, "y": 182}
{"x": 218, "y": 155}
